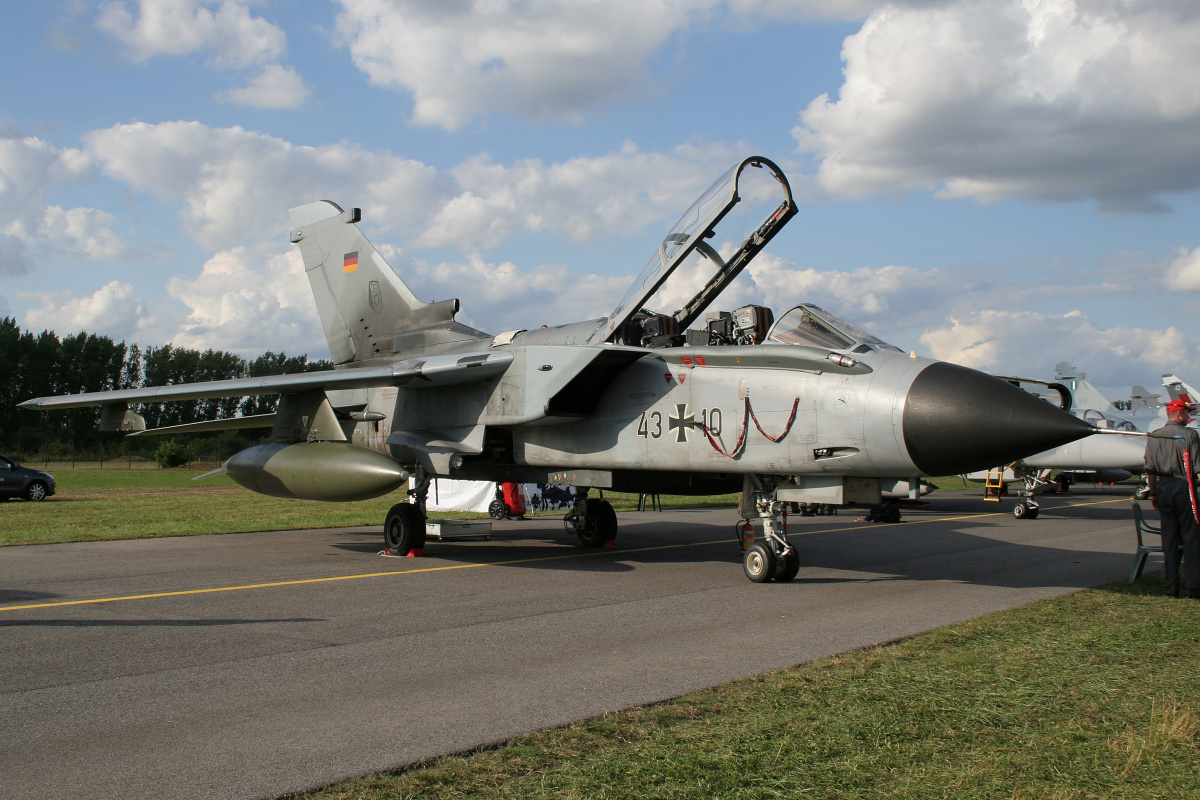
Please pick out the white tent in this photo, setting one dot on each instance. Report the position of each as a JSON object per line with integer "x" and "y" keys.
{"x": 451, "y": 495}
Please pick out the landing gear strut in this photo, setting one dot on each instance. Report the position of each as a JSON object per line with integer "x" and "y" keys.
{"x": 1027, "y": 507}
{"x": 773, "y": 558}
{"x": 593, "y": 521}
{"x": 404, "y": 526}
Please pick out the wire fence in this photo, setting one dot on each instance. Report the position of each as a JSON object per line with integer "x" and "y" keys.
{"x": 124, "y": 457}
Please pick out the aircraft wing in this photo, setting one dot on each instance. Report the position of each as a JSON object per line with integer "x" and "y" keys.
{"x": 415, "y": 373}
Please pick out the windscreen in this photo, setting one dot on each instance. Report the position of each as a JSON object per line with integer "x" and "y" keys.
{"x": 809, "y": 325}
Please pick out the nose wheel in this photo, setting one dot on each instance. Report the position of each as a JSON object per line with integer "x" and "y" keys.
{"x": 1026, "y": 510}
{"x": 770, "y": 561}
{"x": 1027, "y": 507}
{"x": 759, "y": 563}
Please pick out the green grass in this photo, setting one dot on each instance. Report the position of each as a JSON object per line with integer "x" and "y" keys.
{"x": 102, "y": 504}
{"x": 1093, "y": 695}
{"x": 119, "y": 502}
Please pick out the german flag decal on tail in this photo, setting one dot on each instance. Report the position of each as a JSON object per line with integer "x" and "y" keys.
{"x": 350, "y": 262}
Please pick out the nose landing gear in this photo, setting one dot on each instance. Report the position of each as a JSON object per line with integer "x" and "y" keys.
{"x": 774, "y": 558}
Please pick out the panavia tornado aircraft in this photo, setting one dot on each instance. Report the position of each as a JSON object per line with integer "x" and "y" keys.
{"x": 803, "y": 408}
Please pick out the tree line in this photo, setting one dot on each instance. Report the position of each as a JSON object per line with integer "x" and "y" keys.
{"x": 41, "y": 364}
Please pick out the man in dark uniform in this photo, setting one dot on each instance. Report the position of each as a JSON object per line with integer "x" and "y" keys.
{"x": 1170, "y": 494}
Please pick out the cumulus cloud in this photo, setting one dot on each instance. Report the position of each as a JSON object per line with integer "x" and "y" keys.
{"x": 539, "y": 60}
{"x": 813, "y": 9}
{"x": 114, "y": 309}
{"x": 547, "y": 60}
{"x": 872, "y": 292}
{"x": 1183, "y": 273}
{"x": 29, "y": 169}
{"x": 74, "y": 233}
{"x": 275, "y": 87}
{"x": 1043, "y": 99}
{"x": 1030, "y": 343}
{"x": 236, "y": 184}
{"x": 580, "y": 199}
{"x": 245, "y": 300}
{"x": 249, "y": 300}
{"x": 224, "y": 30}
{"x": 30, "y": 166}
{"x": 502, "y": 296}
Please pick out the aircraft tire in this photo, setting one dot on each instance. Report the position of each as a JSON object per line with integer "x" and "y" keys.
{"x": 787, "y": 567}
{"x": 1020, "y": 511}
{"x": 404, "y": 529}
{"x": 759, "y": 563}
{"x": 601, "y": 524}
{"x": 1032, "y": 513}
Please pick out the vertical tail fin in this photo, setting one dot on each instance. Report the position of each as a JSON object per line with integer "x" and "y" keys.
{"x": 363, "y": 304}
{"x": 1083, "y": 393}
{"x": 1180, "y": 390}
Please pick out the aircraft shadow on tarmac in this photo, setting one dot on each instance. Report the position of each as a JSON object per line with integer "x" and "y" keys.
{"x": 926, "y": 547}
{"x": 24, "y": 596}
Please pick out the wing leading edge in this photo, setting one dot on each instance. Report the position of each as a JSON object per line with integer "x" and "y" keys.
{"x": 415, "y": 373}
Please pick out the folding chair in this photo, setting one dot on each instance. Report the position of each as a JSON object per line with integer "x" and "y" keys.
{"x": 1143, "y": 549}
{"x": 651, "y": 500}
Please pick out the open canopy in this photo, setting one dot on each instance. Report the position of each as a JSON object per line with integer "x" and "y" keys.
{"x": 688, "y": 270}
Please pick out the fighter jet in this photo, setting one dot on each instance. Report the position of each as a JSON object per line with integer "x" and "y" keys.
{"x": 657, "y": 396}
{"x": 1144, "y": 412}
{"x": 1101, "y": 459}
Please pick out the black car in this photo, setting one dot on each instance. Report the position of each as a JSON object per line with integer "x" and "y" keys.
{"x": 18, "y": 481}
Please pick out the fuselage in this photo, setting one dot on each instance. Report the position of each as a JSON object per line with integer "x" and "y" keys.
{"x": 774, "y": 409}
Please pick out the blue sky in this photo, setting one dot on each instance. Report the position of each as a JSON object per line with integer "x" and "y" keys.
{"x": 1002, "y": 183}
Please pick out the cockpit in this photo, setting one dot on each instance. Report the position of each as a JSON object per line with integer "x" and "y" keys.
{"x": 667, "y": 304}
{"x": 1102, "y": 420}
{"x": 805, "y": 324}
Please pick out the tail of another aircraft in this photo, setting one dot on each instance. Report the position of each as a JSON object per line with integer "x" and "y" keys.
{"x": 363, "y": 304}
{"x": 1083, "y": 394}
{"x": 1180, "y": 390}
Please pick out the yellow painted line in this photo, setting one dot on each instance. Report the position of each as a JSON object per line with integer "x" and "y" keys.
{"x": 560, "y": 557}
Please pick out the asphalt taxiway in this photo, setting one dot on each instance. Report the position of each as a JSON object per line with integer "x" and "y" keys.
{"x": 253, "y": 665}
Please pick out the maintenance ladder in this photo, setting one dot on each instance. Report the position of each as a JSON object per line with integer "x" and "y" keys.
{"x": 994, "y": 485}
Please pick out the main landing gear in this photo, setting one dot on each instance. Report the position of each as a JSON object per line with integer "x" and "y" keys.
{"x": 404, "y": 530}
{"x": 774, "y": 558}
{"x": 404, "y": 526}
{"x": 592, "y": 521}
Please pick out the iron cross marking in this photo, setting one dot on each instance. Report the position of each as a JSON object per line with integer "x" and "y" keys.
{"x": 683, "y": 421}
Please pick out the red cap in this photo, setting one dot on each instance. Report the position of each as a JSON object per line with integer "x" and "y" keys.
{"x": 1179, "y": 405}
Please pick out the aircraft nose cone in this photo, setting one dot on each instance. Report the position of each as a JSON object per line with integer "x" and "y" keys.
{"x": 959, "y": 420}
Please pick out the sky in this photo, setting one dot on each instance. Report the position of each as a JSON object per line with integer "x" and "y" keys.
{"x": 1005, "y": 184}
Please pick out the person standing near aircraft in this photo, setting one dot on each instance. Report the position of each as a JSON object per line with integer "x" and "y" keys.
{"x": 1172, "y": 461}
